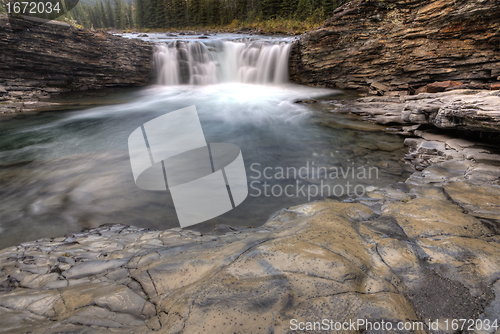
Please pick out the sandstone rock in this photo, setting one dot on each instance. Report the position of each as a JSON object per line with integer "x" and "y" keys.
{"x": 484, "y": 173}
{"x": 35, "y": 281}
{"x": 442, "y": 86}
{"x": 431, "y": 148}
{"x": 410, "y": 42}
{"x": 66, "y": 259}
{"x": 56, "y": 284}
{"x": 19, "y": 299}
{"x": 15, "y": 321}
{"x": 379, "y": 87}
{"x": 59, "y": 58}
{"x": 481, "y": 201}
{"x": 90, "y": 268}
{"x": 99, "y": 317}
{"x": 462, "y": 110}
{"x": 153, "y": 323}
{"x": 468, "y": 112}
{"x": 432, "y": 136}
{"x": 423, "y": 217}
{"x": 459, "y": 144}
{"x": 480, "y": 154}
{"x": 429, "y": 193}
{"x": 122, "y": 300}
{"x": 149, "y": 310}
{"x": 410, "y": 259}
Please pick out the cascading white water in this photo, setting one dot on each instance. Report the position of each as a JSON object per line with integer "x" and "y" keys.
{"x": 196, "y": 63}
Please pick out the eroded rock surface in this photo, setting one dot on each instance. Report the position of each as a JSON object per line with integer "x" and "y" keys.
{"x": 461, "y": 110}
{"x": 38, "y": 61}
{"x": 391, "y": 45}
{"x": 415, "y": 253}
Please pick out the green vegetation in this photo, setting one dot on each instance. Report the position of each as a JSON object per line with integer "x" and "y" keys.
{"x": 160, "y": 15}
{"x": 102, "y": 15}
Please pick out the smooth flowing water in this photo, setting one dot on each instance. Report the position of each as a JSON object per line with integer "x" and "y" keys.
{"x": 64, "y": 171}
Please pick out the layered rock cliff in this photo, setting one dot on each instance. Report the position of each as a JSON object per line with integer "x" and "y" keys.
{"x": 402, "y": 45}
{"x": 37, "y": 61}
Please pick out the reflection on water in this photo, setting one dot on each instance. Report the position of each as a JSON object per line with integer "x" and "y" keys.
{"x": 61, "y": 172}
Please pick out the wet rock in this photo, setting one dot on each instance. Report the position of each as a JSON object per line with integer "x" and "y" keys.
{"x": 481, "y": 201}
{"x": 90, "y": 268}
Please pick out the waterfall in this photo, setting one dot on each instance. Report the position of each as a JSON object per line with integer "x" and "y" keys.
{"x": 196, "y": 63}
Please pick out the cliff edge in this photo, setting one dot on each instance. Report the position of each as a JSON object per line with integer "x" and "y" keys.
{"x": 402, "y": 45}
{"x": 38, "y": 61}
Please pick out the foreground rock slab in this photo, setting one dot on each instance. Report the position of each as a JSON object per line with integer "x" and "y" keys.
{"x": 416, "y": 259}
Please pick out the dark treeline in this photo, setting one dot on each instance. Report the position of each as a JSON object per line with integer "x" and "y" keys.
{"x": 103, "y": 14}
{"x": 166, "y": 14}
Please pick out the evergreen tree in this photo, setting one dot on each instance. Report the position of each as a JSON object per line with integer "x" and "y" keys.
{"x": 188, "y": 13}
{"x": 130, "y": 17}
{"x": 214, "y": 12}
{"x": 288, "y": 8}
{"x": 241, "y": 9}
{"x": 109, "y": 13}
{"x": 105, "y": 20}
{"x": 194, "y": 12}
{"x": 151, "y": 13}
{"x": 271, "y": 8}
{"x": 304, "y": 10}
{"x": 139, "y": 13}
{"x": 118, "y": 14}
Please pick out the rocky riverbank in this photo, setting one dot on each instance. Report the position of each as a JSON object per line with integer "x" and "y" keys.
{"x": 424, "y": 249}
{"x": 41, "y": 61}
{"x": 463, "y": 112}
{"x": 402, "y": 46}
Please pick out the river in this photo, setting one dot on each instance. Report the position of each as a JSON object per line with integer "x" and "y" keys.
{"x": 64, "y": 171}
